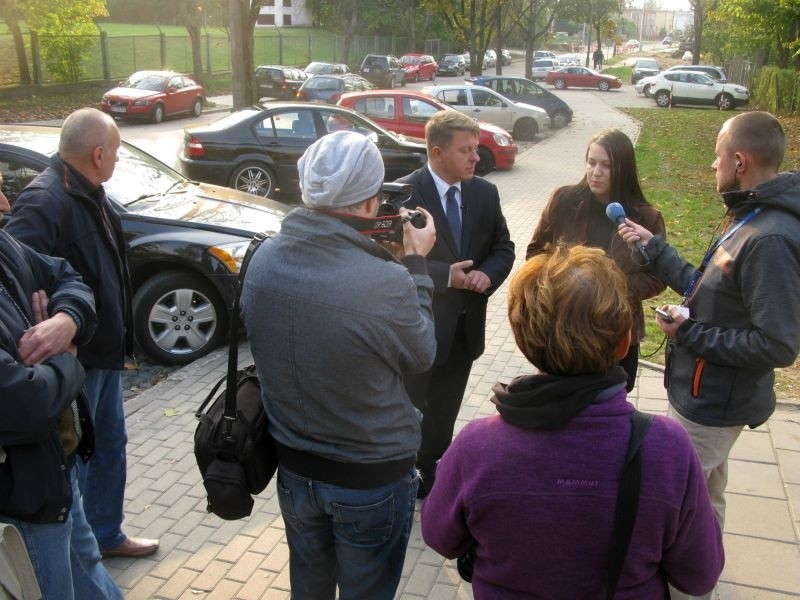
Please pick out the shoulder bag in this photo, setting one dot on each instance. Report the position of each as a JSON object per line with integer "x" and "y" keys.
{"x": 234, "y": 450}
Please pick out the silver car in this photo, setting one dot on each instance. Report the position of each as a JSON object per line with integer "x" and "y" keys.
{"x": 484, "y": 104}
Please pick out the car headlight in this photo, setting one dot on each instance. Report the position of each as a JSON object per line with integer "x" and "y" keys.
{"x": 141, "y": 102}
{"x": 501, "y": 139}
{"x": 231, "y": 255}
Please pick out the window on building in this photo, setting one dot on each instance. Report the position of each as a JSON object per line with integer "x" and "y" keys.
{"x": 287, "y": 20}
{"x": 265, "y": 19}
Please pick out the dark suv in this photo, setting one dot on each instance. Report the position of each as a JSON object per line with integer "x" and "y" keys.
{"x": 644, "y": 67}
{"x": 277, "y": 81}
{"x": 384, "y": 70}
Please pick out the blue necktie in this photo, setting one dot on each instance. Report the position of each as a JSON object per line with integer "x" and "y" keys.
{"x": 454, "y": 216}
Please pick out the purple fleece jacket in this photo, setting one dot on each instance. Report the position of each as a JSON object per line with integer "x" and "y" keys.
{"x": 541, "y": 506}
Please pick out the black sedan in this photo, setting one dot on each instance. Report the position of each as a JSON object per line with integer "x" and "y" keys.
{"x": 256, "y": 149}
{"x": 524, "y": 90}
{"x": 186, "y": 240}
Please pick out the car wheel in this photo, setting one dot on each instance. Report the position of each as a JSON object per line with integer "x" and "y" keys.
{"x": 486, "y": 163}
{"x": 254, "y": 178}
{"x": 602, "y": 86}
{"x": 560, "y": 84}
{"x": 525, "y": 129}
{"x": 647, "y": 93}
{"x": 178, "y": 317}
{"x": 197, "y": 107}
{"x": 158, "y": 113}
{"x": 662, "y": 98}
{"x": 725, "y": 102}
{"x": 559, "y": 119}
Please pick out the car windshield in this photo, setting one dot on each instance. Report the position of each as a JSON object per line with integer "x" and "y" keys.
{"x": 448, "y": 59}
{"x": 646, "y": 64}
{"x": 410, "y": 60}
{"x": 137, "y": 175}
{"x": 322, "y": 83}
{"x": 318, "y": 67}
{"x": 146, "y": 81}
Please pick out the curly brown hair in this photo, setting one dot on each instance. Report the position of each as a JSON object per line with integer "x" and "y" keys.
{"x": 569, "y": 310}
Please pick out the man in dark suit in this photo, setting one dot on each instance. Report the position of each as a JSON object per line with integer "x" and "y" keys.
{"x": 471, "y": 258}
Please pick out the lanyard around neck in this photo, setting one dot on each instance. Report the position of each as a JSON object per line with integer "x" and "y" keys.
{"x": 698, "y": 274}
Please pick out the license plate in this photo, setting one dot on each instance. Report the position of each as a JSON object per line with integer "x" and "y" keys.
{"x": 119, "y": 109}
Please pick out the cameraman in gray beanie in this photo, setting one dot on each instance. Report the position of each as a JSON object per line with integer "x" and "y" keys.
{"x": 335, "y": 320}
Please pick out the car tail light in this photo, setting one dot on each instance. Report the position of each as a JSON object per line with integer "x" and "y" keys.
{"x": 194, "y": 147}
{"x": 300, "y": 94}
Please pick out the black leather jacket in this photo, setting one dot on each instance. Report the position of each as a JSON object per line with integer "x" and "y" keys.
{"x": 34, "y": 470}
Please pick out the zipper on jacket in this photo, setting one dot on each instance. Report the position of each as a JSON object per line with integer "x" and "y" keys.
{"x": 667, "y": 364}
{"x": 700, "y": 364}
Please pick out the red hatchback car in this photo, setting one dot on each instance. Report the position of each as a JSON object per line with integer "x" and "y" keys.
{"x": 154, "y": 95}
{"x": 406, "y": 112}
{"x": 581, "y": 77}
{"x": 419, "y": 66}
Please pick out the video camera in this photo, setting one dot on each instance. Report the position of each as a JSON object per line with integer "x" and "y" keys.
{"x": 388, "y": 226}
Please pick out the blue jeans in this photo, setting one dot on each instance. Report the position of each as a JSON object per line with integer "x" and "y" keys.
{"x": 102, "y": 479}
{"x": 356, "y": 538}
{"x": 65, "y": 556}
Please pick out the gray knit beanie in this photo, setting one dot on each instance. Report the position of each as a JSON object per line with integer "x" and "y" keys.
{"x": 341, "y": 169}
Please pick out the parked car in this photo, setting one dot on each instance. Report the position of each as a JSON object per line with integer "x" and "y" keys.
{"x": 326, "y": 68}
{"x": 691, "y": 87}
{"x": 581, "y": 77}
{"x": 524, "y": 90}
{"x": 277, "y": 81}
{"x": 328, "y": 88}
{"x": 644, "y": 67}
{"x": 541, "y": 66}
{"x": 384, "y": 70}
{"x": 489, "y": 59}
{"x": 406, "y": 112}
{"x": 717, "y": 73}
{"x": 569, "y": 60}
{"x": 419, "y": 66}
{"x": 484, "y": 104}
{"x": 186, "y": 240}
{"x": 451, "y": 64}
{"x": 643, "y": 85}
{"x": 631, "y": 45}
{"x": 153, "y": 95}
{"x": 667, "y": 41}
{"x": 467, "y": 60}
{"x": 505, "y": 57}
{"x": 256, "y": 149}
{"x": 543, "y": 54}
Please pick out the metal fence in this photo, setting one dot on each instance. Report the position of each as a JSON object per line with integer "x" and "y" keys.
{"x": 111, "y": 58}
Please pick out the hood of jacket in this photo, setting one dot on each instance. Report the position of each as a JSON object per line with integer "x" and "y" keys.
{"x": 549, "y": 402}
{"x": 782, "y": 192}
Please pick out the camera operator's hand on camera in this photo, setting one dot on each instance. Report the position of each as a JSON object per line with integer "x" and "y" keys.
{"x": 418, "y": 241}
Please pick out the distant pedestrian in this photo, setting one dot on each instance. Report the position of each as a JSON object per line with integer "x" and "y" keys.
{"x": 598, "y": 59}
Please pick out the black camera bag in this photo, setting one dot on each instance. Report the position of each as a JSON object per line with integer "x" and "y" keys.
{"x": 234, "y": 450}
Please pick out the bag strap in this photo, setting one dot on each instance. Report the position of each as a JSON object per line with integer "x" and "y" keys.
{"x": 627, "y": 499}
{"x": 233, "y": 348}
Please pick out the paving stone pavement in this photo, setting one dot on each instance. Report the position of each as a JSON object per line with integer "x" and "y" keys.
{"x": 202, "y": 556}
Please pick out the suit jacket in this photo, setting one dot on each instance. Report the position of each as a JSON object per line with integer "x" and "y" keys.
{"x": 484, "y": 240}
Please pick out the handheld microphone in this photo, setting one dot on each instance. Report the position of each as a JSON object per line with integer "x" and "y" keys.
{"x": 616, "y": 213}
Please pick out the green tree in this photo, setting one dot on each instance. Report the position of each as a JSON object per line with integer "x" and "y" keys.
{"x": 11, "y": 15}
{"x": 66, "y": 30}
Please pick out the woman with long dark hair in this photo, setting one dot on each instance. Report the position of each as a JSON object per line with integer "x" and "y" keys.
{"x": 576, "y": 214}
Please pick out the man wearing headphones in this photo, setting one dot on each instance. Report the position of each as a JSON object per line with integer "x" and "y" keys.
{"x": 740, "y": 323}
